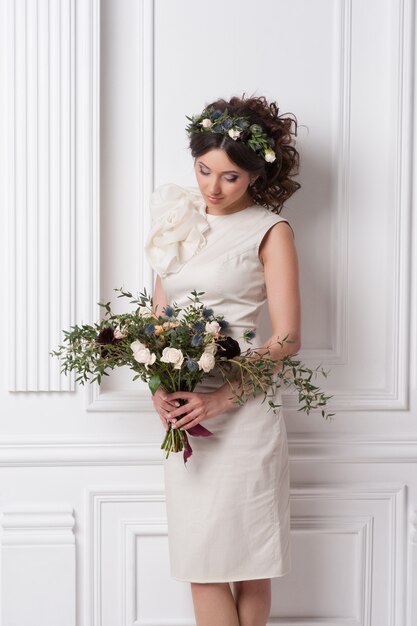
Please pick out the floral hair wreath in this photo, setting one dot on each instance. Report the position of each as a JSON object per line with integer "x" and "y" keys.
{"x": 238, "y": 128}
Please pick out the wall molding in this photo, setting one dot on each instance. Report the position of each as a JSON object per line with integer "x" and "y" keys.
{"x": 412, "y": 570}
{"x": 95, "y": 399}
{"x": 395, "y": 395}
{"x": 41, "y": 190}
{"x": 139, "y": 523}
{"x": 303, "y": 448}
{"x": 26, "y": 524}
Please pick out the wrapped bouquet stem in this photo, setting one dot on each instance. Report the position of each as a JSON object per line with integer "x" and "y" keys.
{"x": 177, "y": 348}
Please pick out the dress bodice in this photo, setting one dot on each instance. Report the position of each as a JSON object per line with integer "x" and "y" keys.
{"x": 222, "y": 257}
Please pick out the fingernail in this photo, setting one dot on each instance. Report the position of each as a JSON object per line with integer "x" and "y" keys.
{"x": 177, "y": 404}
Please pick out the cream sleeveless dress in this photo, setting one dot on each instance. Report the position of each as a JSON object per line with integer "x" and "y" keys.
{"x": 228, "y": 508}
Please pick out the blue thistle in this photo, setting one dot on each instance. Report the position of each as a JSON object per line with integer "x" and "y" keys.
{"x": 241, "y": 124}
{"x": 196, "y": 340}
{"x": 149, "y": 329}
{"x": 223, "y": 324}
{"x": 214, "y": 115}
{"x": 198, "y": 327}
{"x": 227, "y": 123}
{"x": 169, "y": 311}
{"x": 207, "y": 313}
{"x": 192, "y": 366}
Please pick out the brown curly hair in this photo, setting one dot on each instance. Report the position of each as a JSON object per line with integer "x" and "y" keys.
{"x": 274, "y": 184}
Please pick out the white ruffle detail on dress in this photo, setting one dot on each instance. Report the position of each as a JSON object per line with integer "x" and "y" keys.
{"x": 179, "y": 223}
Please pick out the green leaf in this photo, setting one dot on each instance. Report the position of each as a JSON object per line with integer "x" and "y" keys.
{"x": 154, "y": 383}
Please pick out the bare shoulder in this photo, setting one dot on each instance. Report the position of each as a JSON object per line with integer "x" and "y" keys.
{"x": 277, "y": 243}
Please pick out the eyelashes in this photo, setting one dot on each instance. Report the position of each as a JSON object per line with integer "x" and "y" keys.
{"x": 230, "y": 179}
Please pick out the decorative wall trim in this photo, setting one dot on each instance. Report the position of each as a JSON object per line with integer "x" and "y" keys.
{"x": 394, "y": 495}
{"x": 38, "y": 564}
{"x": 395, "y": 395}
{"x": 41, "y": 190}
{"x": 95, "y": 399}
{"x": 302, "y": 449}
{"x": 37, "y": 524}
{"x": 95, "y": 499}
{"x": 362, "y": 525}
{"x": 412, "y": 570}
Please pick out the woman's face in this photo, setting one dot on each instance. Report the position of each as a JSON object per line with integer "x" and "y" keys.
{"x": 223, "y": 184}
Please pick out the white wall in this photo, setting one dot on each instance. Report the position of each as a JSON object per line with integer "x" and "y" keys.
{"x": 86, "y": 132}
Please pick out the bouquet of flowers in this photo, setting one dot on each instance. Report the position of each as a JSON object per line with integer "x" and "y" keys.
{"x": 175, "y": 349}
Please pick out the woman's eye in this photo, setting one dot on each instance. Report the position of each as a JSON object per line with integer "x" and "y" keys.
{"x": 204, "y": 173}
{"x": 231, "y": 179}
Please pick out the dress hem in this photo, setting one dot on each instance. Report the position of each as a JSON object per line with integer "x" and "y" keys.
{"x": 232, "y": 580}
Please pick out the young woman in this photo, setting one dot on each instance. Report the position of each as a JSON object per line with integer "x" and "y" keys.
{"x": 228, "y": 508}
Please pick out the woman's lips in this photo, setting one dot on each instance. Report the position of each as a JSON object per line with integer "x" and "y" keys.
{"x": 215, "y": 200}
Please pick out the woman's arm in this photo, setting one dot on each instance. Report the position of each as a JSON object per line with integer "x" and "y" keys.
{"x": 159, "y": 298}
{"x": 279, "y": 257}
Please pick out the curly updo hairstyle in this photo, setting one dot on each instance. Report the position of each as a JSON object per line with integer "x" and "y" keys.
{"x": 274, "y": 184}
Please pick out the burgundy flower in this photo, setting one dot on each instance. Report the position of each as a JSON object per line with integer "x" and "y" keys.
{"x": 106, "y": 335}
{"x": 228, "y": 347}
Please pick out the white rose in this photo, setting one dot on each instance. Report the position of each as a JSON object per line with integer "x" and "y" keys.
{"x": 206, "y": 123}
{"x": 120, "y": 333}
{"x": 136, "y": 346}
{"x": 270, "y": 156}
{"x": 174, "y": 356}
{"x": 211, "y": 348}
{"x": 206, "y": 361}
{"x": 212, "y": 327}
{"x": 234, "y": 134}
{"x": 145, "y": 356}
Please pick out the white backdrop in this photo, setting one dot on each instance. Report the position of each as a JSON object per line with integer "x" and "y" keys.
{"x": 92, "y": 109}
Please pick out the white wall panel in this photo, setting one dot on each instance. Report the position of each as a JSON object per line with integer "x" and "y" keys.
{"x": 38, "y": 565}
{"x": 40, "y": 198}
{"x": 352, "y": 216}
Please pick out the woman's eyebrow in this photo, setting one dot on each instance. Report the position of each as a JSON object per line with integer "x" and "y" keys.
{"x": 226, "y": 172}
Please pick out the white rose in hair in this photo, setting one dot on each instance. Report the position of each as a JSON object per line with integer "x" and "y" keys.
{"x": 234, "y": 134}
{"x": 212, "y": 327}
{"x": 145, "y": 357}
{"x": 270, "y": 156}
{"x": 206, "y": 123}
{"x": 174, "y": 356}
{"x": 206, "y": 362}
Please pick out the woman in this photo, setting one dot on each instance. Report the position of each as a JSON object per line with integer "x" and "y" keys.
{"x": 228, "y": 509}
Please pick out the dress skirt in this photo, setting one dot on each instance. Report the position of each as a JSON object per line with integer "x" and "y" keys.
{"x": 228, "y": 508}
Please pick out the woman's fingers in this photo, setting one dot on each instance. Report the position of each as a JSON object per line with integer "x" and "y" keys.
{"x": 180, "y": 395}
{"x": 188, "y": 422}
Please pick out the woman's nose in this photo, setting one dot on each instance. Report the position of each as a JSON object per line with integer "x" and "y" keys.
{"x": 215, "y": 188}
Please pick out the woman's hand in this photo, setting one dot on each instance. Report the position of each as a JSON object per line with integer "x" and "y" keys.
{"x": 163, "y": 406}
{"x": 199, "y": 407}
